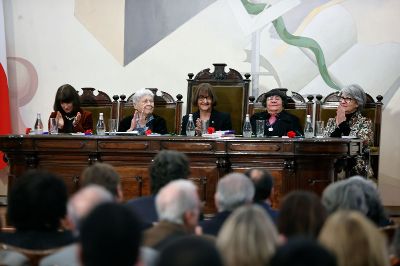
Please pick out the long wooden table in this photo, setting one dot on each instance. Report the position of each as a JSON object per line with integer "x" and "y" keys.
{"x": 309, "y": 164}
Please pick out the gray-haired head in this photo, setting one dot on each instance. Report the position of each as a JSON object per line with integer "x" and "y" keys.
{"x": 140, "y": 94}
{"x": 83, "y": 201}
{"x": 355, "y": 193}
{"x": 355, "y": 92}
{"x": 233, "y": 190}
{"x": 175, "y": 199}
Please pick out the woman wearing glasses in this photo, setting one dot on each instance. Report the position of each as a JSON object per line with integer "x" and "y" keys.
{"x": 143, "y": 118}
{"x": 278, "y": 122}
{"x": 206, "y": 100}
{"x": 348, "y": 120}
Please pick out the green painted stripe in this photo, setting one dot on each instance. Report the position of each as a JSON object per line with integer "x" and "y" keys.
{"x": 305, "y": 42}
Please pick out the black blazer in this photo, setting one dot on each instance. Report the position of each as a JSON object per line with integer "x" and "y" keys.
{"x": 285, "y": 122}
{"x": 218, "y": 120}
{"x": 156, "y": 125}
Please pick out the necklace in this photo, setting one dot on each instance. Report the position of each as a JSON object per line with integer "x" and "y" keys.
{"x": 70, "y": 118}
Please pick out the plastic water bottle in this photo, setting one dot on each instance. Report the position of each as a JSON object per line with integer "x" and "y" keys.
{"x": 100, "y": 127}
{"x": 247, "y": 131}
{"x": 38, "y": 125}
{"x": 308, "y": 129}
{"x": 190, "y": 127}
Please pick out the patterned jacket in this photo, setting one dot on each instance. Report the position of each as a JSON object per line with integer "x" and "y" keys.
{"x": 358, "y": 126}
{"x": 355, "y": 125}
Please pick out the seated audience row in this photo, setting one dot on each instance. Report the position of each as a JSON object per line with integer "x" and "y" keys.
{"x": 98, "y": 229}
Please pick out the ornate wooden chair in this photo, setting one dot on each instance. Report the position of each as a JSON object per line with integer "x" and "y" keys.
{"x": 296, "y": 105}
{"x": 100, "y": 103}
{"x": 230, "y": 88}
{"x": 326, "y": 108}
{"x": 164, "y": 106}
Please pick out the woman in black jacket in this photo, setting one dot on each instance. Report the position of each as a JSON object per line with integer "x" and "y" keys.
{"x": 278, "y": 122}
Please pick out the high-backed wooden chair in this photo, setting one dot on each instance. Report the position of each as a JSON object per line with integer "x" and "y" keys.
{"x": 296, "y": 105}
{"x": 164, "y": 106}
{"x": 230, "y": 88}
{"x": 100, "y": 103}
{"x": 326, "y": 108}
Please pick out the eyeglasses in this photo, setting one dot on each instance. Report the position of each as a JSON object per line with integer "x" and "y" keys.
{"x": 202, "y": 98}
{"x": 147, "y": 101}
{"x": 345, "y": 99}
{"x": 274, "y": 98}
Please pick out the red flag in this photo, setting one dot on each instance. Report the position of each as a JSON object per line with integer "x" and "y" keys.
{"x": 5, "y": 121}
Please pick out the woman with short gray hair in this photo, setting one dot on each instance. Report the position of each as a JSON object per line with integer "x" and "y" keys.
{"x": 143, "y": 118}
{"x": 350, "y": 122}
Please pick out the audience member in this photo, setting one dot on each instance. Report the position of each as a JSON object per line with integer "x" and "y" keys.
{"x": 110, "y": 235}
{"x": 104, "y": 175}
{"x": 190, "y": 250}
{"x": 356, "y": 193}
{"x": 248, "y": 237}
{"x": 302, "y": 252}
{"x": 233, "y": 190}
{"x": 354, "y": 240}
{"x": 166, "y": 166}
{"x": 11, "y": 257}
{"x": 79, "y": 206}
{"x": 178, "y": 208}
{"x": 36, "y": 207}
{"x": 301, "y": 214}
{"x": 263, "y": 184}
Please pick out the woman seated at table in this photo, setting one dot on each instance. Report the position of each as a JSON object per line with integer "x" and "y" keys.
{"x": 70, "y": 117}
{"x": 143, "y": 118}
{"x": 278, "y": 122}
{"x": 350, "y": 122}
{"x": 206, "y": 100}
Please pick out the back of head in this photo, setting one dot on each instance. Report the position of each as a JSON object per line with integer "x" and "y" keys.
{"x": 301, "y": 214}
{"x": 355, "y": 193}
{"x": 37, "y": 201}
{"x": 83, "y": 201}
{"x": 110, "y": 235}
{"x": 248, "y": 237}
{"x": 104, "y": 175}
{"x": 354, "y": 240}
{"x": 190, "y": 250}
{"x": 263, "y": 183}
{"x": 167, "y": 166}
{"x": 176, "y": 198}
{"x": 302, "y": 252}
{"x": 233, "y": 190}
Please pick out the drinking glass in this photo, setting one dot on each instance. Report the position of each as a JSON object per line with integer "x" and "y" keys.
{"x": 204, "y": 127}
{"x": 319, "y": 129}
{"x": 53, "y": 126}
{"x": 260, "y": 124}
{"x": 112, "y": 126}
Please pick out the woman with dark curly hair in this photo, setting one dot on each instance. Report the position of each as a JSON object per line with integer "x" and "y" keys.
{"x": 278, "y": 122}
{"x": 36, "y": 207}
{"x": 69, "y": 115}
